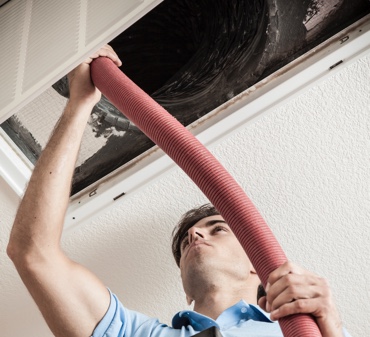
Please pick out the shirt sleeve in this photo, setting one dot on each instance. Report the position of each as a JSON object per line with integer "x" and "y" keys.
{"x": 119, "y": 321}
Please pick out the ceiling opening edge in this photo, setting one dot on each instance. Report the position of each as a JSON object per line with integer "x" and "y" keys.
{"x": 320, "y": 62}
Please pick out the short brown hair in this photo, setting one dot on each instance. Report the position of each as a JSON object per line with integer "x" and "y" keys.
{"x": 188, "y": 220}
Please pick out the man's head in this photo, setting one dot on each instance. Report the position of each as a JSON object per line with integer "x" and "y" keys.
{"x": 209, "y": 254}
{"x": 188, "y": 220}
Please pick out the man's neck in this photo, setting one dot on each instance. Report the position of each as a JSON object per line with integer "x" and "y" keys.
{"x": 214, "y": 302}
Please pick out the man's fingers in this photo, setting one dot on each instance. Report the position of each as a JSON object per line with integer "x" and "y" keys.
{"x": 106, "y": 51}
{"x": 293, "y": 290}
{"x": 289, "y": 283}
{"x": 296, "y": 293}
{"x": 301, "y": 306}
{"x": 285, "y": 269}
{"x": 290, "y": 287}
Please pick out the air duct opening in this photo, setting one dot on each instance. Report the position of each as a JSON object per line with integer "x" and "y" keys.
{"x": 191, "y": 57}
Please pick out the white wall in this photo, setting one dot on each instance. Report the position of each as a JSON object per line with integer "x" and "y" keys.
{"x": 306, "y": 167}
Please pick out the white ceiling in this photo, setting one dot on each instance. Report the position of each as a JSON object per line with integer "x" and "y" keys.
{"x": 306, "y": 167}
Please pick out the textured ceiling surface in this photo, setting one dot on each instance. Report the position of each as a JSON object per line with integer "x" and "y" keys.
{"x": 306, "y": 167}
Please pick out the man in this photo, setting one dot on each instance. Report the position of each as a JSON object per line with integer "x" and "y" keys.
{"x": 216, "y": 272}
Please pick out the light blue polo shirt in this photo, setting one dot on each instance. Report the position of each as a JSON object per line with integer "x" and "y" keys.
{"x": 240, "y": 320}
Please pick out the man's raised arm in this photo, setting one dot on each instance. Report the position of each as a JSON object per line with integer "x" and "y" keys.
{"x": 71, "y": 298}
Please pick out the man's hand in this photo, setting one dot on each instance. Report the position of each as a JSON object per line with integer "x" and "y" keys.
{"x": 291, "y": 290}
{"x": 81, "y": 88}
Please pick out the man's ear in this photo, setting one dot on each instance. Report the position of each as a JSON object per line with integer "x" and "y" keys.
{"x": 189, "y": 300}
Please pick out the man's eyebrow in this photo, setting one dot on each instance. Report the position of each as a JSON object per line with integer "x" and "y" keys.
{"x": 214, "y": 222}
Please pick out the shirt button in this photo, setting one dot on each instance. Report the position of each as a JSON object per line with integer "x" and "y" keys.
{"x": 244, "y": 310}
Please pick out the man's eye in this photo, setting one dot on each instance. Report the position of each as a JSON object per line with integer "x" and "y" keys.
{"x": 219, "y": 229}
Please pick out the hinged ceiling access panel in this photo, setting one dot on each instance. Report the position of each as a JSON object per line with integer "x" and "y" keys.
{"x": 42, "y": 40}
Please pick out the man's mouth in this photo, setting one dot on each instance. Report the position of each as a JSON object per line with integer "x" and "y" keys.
{"x": 196, "y": 243}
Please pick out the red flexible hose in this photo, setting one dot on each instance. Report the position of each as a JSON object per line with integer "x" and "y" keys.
{"x": 201, "y": 166}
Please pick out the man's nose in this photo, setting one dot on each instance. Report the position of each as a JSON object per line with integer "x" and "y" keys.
{"x": 195, "y": 234}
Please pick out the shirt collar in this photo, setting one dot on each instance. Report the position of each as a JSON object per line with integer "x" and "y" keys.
{"x": 238, "y": 313}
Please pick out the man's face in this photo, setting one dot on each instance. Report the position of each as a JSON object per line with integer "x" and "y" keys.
{"x": 211, "y": 250}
